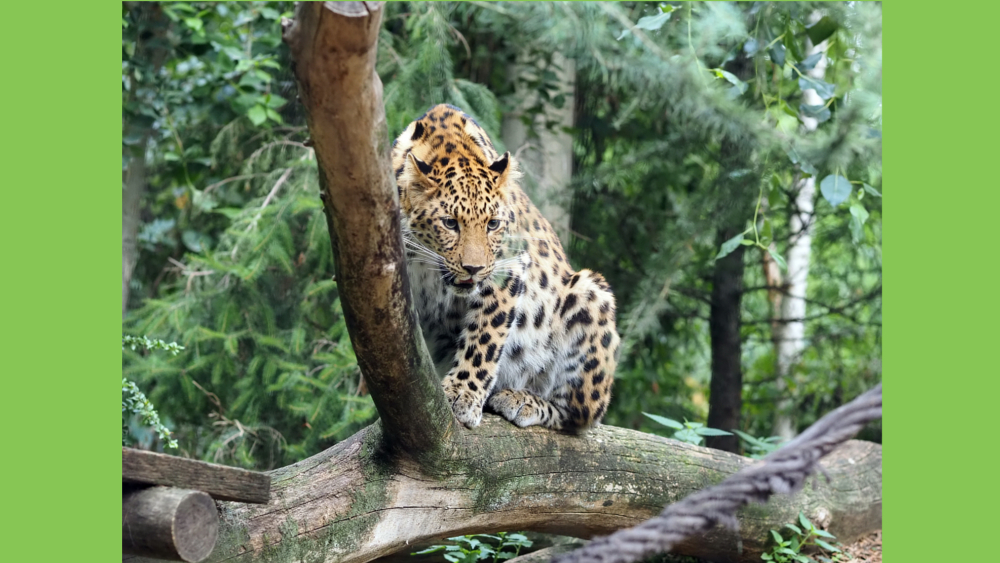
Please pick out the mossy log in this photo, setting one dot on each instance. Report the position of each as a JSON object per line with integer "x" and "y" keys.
{"x": 353, "y": 504}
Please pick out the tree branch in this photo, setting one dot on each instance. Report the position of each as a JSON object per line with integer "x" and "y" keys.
{"x": 333, "y": 46}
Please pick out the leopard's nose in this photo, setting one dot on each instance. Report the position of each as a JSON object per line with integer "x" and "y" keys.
{"x": 472, "y": 269}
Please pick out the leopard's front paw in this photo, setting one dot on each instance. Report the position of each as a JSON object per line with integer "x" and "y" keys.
{"x": 467, "y": 405}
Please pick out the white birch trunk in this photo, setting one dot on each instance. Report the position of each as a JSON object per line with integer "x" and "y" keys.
{"x": 790, "y": 329}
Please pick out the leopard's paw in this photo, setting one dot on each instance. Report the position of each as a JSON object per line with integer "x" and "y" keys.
{"x": 465, "y": 404}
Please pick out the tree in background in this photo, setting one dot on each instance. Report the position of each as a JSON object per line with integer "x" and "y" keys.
{"x": 688, "y": 147}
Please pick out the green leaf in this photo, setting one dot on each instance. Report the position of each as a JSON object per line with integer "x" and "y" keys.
{"x": 668, "y": 422}
{"x": 651, "y": 23}
{"x": 826, "y": 546}
{"x": 731, "y": 78}
{"x": 778, "y": 258}
{"x": 689, "y": 436}
{"x": 777, "y": 53}
{"x": 712, "y": 432}
{"x": 821, "y": 30}
{"x": 858, "y": 217}
{"x": 729, "y": 246}
{"x": 835, "y": 188}
{"x": 825, "y": 534}
{"x": 766, "y": 557}
{"x": 431, "y": 549}
{"x": 257, "y": 114}
{"x": 805, "y": 522}
{"x": 823, "y": 89}
{"x": 777, "y": 536}
{"x": 795, "y": 528}
{"x": 809, "y": 62}
{"x": 818, "y": 112}
{"x": 871, "y": 190}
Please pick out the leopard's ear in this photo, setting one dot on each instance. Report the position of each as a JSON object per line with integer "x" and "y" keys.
{"x": 416, "y": 175}
{"x": 504, "y": 170}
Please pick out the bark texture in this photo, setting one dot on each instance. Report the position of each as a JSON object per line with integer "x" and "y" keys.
{"x": 726, "y": 387}
{"x": 415, "y": 476}
{"x": 351, "y": 504}
{"x": 333, "y": 45}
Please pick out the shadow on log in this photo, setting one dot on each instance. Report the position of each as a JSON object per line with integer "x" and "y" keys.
{"x": 416, "y": 476}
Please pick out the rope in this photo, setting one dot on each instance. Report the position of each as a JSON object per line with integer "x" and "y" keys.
{"x": 783, "y": 471}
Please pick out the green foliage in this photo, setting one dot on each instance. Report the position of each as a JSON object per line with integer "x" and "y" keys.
{"x": 808, "y": 536}
{"x": 134, "y": 402}
{"x": 480, "y": 547}
{"x": 758, "y": 447}
{"x": 690, "y": 432}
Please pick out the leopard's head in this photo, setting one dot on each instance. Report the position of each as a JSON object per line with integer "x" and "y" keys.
{"x": 457, "y": 207}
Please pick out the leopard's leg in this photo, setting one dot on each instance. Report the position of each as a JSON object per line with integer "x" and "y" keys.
{"x": 593, "y": 355}
{"x": 468, "y": 384}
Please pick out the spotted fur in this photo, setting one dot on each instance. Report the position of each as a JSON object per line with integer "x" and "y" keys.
{"x": 511, "y": 326}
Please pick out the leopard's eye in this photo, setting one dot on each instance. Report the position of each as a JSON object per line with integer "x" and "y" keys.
{"x": 451, "y": 223}
{"x": 493, "y": 225}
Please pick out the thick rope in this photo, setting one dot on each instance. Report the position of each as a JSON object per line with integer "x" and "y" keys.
{"x": 783, "y": 471}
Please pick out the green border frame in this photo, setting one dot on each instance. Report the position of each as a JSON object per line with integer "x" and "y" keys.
{"x": 61, "y": 301}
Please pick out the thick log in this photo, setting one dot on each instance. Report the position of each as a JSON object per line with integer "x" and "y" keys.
{"x": 169, "y": 523}
{"x": 219, "y": 481}
{"x": 351, "y": 504}
{"x": 333, "y": 45}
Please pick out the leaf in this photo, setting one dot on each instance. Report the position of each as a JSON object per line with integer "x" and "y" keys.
{"x": 712, "y": 432}
{"x": 777, "y": 54}
{"x": 823, "y": 89}
{"x": 819, "y": 112}
{"x": 431, "y": 549}
{"x": 825, "y": 534}
{"x": 257, "y": 114}
{"x": 795, "y": 528}
{"x": 668, "y": 422}
{"x": 777, "y": 536}
{"x": 729, "y": 246}
{"x": 871, "y": 190}
{"x": 651, "y": 23}
{"x": 821, "y": 30}
{"x": 779, "y": 259}
{"x": 731, "y": 78}
{"x": 688, "y": 436}
{"x": 835, "y": 189}
{"x": 809, "y": 62}
{"x": 826, "y": 546}
{"x": 195, "y": 241}
{"x": 805, "y": 522}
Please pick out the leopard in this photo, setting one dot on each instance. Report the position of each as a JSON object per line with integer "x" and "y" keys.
{"x": 511, "y": 327}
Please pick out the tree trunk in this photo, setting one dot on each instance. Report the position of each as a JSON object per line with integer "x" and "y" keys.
{"x": 726, "y": 387}
{"x": 789, "y": 337}
{"x": 546, "y": 156}
{"x": 415, "y": 476}
{"x": 133, "y": 187}
{"x": 150, "y": 52}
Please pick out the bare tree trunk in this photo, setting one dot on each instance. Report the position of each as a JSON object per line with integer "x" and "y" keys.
{"x": 789, "y": 336}
{"x": 150, "y": 51}
{"x": 415, "y": 476}
{"x": 726, "y": 386}
{"x": 133, "y": 187}
{"x": 546, "y": 155}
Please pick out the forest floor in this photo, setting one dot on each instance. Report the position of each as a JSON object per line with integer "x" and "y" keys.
{"x": 868, "y": 549}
